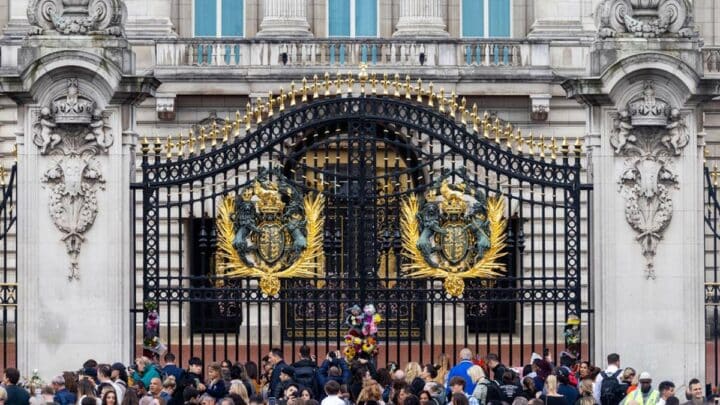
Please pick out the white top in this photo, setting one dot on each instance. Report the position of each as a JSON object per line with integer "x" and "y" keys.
{"x": 610, "y": 370}
{"x": 332, "y": 400}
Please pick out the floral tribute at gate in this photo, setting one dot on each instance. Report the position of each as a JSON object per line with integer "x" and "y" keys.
{"x": 271, "y": 232}
{"x": 362, "y": 335}
{"x": 454, "y": 233}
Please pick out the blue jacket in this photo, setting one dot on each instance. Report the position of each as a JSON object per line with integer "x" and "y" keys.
{"x": 323, "y": 377}
{"x": 172, "y": 370}
{"x": 65, "y": 397}
{"x": 461, "y": 370}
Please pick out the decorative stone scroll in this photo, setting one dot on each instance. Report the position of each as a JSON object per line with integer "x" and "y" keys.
{"x": 77, "y": 17}
{"x": 645, "y": 18}
{"x": 74, "y": 131}
{"x": 650, "y": 134}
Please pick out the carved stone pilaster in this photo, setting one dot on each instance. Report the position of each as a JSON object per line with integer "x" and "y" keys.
{"x": 649, "y": 134}
{"x": 73, "y": 131}
{"x": 285, "y": 18}
{"x": 421, "y": 18}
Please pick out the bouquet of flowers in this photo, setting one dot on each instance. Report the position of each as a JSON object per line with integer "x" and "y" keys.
{"x": 362, "y": 335}
{"x": 151, "y": 335}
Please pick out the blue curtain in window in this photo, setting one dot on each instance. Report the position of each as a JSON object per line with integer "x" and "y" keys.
{"x": 365, "y": 18}
{"x": 473, "y": 18}
{"x": 499, "y": 18}
{"x": 339, "y": 18}
{"x": 232, "y": 18}
{"x": 205, "y": 18}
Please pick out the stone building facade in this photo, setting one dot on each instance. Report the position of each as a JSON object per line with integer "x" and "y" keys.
{"x": 610, "y": 72}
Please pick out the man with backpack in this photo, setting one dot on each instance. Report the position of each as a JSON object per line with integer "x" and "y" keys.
{"x": 608, "y": 389}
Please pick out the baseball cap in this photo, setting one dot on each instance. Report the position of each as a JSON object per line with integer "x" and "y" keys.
{"x": 645, "y": 376}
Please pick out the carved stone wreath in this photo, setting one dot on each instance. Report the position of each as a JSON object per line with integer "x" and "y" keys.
{"x": 77, "y": 17}
{"x": 650, "y": 135}
{"x": 73, "y": 131}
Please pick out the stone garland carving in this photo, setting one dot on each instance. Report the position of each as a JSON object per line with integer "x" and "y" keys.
{"x": 77, "y": 17}
{"x": 650, "y": 134}
{"x": 645, "y": 18}
{"x": 74, "y": 131}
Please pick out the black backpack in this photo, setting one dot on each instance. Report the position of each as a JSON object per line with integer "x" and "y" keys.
{"x": 611, "y": 390}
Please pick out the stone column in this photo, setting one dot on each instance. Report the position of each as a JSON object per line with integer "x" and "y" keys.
{"x": 562, "y": 19}
{"x": 149, "y": 19}
{"x": 421, "y": 18}
{"x": 17, "y": 25}
{"x": 76, "y": 120}
{"x": 285, "y": 18}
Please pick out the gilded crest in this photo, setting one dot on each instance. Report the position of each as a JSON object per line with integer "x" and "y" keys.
{"x": 270, "y": 231}
{"x": 453, "y": 234}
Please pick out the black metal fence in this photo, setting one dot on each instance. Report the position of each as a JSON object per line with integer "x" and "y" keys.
{"x": 365, "y": 154}
{"x": 712, "y": 276}
{"x": 8, "y": 286}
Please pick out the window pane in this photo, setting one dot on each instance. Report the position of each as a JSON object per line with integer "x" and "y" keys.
{"x": 365, "y": 18}
{"x": 339, "y": 22}
{"x": 232, "y": 18}
{"x": 499, "y": 18}
{"x": 205, "y": 18}
{"x": 473, "y": 16}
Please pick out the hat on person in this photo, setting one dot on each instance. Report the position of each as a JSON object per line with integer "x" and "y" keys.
{"x": 534, "y": 356}
{"x": 645, "y": 376}
{"x": 117, "y": 366}
{"x": 59, "y": 380}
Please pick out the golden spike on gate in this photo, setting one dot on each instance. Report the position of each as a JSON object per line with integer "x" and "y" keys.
{"x": 396, "y": 85}
{"x": 145, "y": 146}
{"x": 519, "y": 141}
{"x": 509, "y": 138}
{"x": 553, "y": 149}
{"x": 304, "y": 97}
{"x": 326, "y": 83}
{"x": 316, "y": 95}
{"x": 338, "y": 84}
{"x": 531, "y": 144}
{"x": 248, "y": 117}
{"x": 362, "y": 78}
{"x": 157, "y": 147}
{"x": 419, "y": 90}
{"x": 453, "y": 105}
{"x": 271, "y": 102}
{"x": 385, "y": 84}
{"x": 191, "y": 142}
{"x": 475, "y": 119}
{"x": 3, "y": 173}
{"x": 292, "y": 93}
{"x": 408, "y": 88}
{"x": 463, "y": 111}
{"x": 373, "y": 84}
{"x": 715, "y": 174}
{"x": 350, "y": 83}
{"x": 14, "y": 152}
{"x": 281, "y": 100}
{"x": 578, "y": 147}
{"x": 564, "y": 148}
{"x": 213, "y": 134}
{"x": 181, "y": 146}
{"x": 236, "y": 124}
{"x": 202, "y": 139}
{"x": 169, "y": 145}
{"x": 441, "y": 100}
{"x": 486, "y": 125}
{"x": 226, "y": 130}
{"x": 431, "y": 95}
{"x": 706, "y": 154}
{"x": 258, "y": 111}
{"x": 541, "y": 144}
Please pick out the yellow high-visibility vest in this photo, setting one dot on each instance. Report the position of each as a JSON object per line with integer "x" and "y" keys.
{"x": 637, "y": 396}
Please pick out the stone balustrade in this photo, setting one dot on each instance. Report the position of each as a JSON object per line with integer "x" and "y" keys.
{"x": 351, "y": 52}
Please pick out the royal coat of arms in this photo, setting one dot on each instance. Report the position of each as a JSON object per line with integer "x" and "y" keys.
{"x": 454, "y": 233}
{"x": 270, "y": 231}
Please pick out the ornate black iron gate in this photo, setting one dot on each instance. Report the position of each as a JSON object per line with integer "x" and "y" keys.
{"x": 366, "y": 154}
{"x": 8, "y": 284}
{"x": 712, "y": 275}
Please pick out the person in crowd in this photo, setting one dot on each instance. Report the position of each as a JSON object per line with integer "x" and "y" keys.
{"x": 426, "y": 398}
{"x": 370, "y": 392}
{"x": 86, "y": 389}
{"x": 585, "y": 393}
{"x": 192, "y": 377}
{"x": 413, "y": 372}
{"x": 239, "y": 372}
{"x": 168, "y": 389}
{"x": 644, "y": 395}
{"x": 275, "y": 357}
{"x": 155, "y": 388}
{"x": 360, "y": 374}
{"x": 62, "y": 395}
{"x": 290, "y": 392}
{"x": 565, "y": 387}
{"x": 385, "y": 381}
{"x": 130, "y": 397}
{"x": 509, "y": 388}
{"x": 251, "y": 369}
{"x": 110, "y": 398}
{"x": 238, "y": 387}
{"x": 520, "y": 401}
{"x": 672, "y": 401}
{"x": 345, "y": 394}
{"x": 207, "y": 399}
{"x": 216, "y": 385}
{"x": 170, "y": 369}
{"x": 477, "y": 376}
{"x": 15, "y": 394}
{"x": 457, "y": 386}
{"x": 306, "y": 394}
{"x": 287, "y": 379}
{"x": 552, "y": 396}
{"x": 104, "y": 373}
{"x": 629, "y": 378}
{"x": 401, "y": 390}
{"x": 411, "y": 400}
{"x": 305, "y": 369}
{"x": 543, "y": 370}
{"x": 191, "y": 396}
{"x": 667, "y": 390}
{"x": 498, "y": 369}
{"x": 443, "y": 368}
{"x": 333, "y": 368}
{"x": 118, "y": 374}
{"x": 438, "y": 393}
{"x": 460, "y": 370}
{"x": 429, "y": 373}
{"x": 332, "y": 389}
{"x": 583, "y": 371}
{"x": 528, "y": 388}
{"x": 610, "y": 390}
{"x": 695, "y": 393}
{"x": 460, "y": 398}
{"x": 145, "y": 371}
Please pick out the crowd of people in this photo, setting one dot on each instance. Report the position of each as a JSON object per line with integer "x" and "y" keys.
{"x": 473, "y": 380}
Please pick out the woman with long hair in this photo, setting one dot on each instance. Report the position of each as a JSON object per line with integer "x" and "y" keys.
{"x": 585, "y": 392}
{"x": 252, "y": 373}
{"x": 443, "y": 368}
{"x": 86, "y": 389}
{"x": 238, "y": 387}
{"x": 110, "y": 398}
{"x": 459, "y": 399}
{"x": 477, "y": 376}
{"x": 528, "y": 388}
{"x": 552, "y": 397}
{"x": 629, "y": 377}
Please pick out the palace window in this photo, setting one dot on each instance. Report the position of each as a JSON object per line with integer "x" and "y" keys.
{"x": 486, "y": 18}
{"x": 219, "y": 18}
{"x": 352, "y": 18}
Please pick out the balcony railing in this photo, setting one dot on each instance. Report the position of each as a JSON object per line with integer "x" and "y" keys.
{"x": 351, "y": 52}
